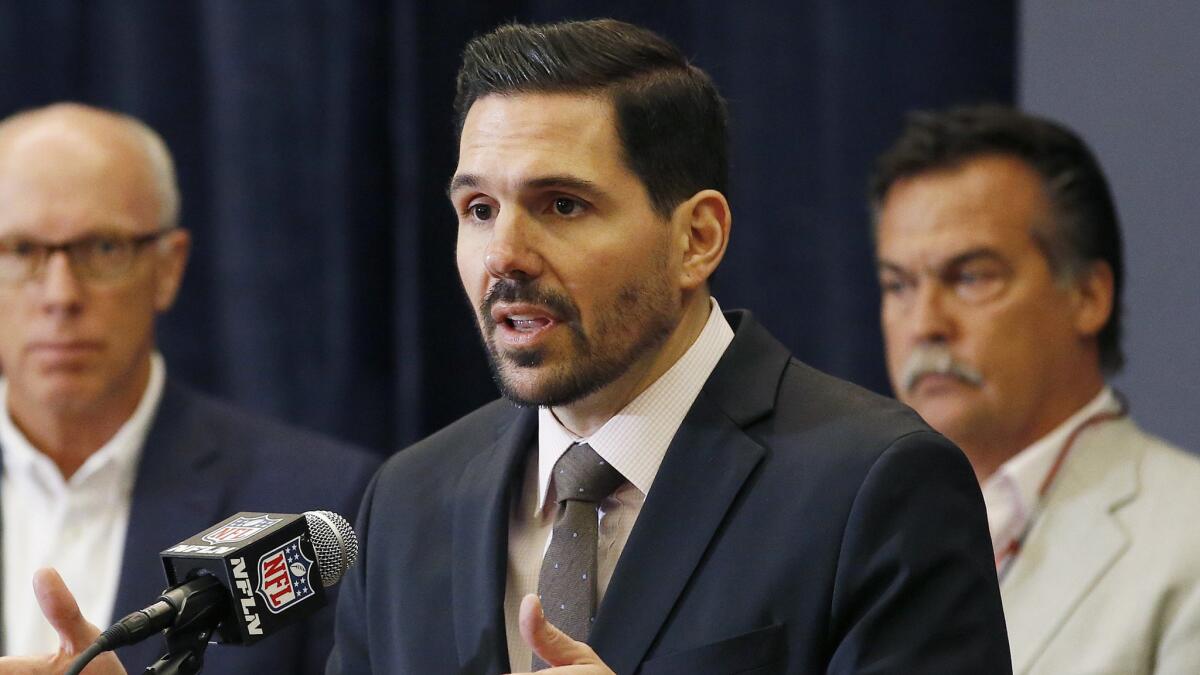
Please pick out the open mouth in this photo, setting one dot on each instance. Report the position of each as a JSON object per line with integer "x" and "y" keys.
{"x": 521, "y": 325}
{"x": 526, "y": 323}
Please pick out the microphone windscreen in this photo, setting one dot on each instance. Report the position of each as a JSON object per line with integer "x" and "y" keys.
{"x": 334, "y": 542}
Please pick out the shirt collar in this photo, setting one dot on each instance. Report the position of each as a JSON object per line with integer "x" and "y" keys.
{"x": 635, "y": 440}
{"x": 120, "y": 453}
{"x": 1023, "y": 474}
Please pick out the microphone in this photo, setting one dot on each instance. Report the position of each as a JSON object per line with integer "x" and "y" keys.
{"x": 242, "y": 579}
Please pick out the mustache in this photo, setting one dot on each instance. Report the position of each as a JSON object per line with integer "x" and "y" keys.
{"x": 529, "y": 292}
{"x": 936, "y": 359}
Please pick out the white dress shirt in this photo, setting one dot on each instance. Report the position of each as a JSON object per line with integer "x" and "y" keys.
{"x": 634, "y": 442}
{"x": 1011, "y": 494}
{"x": 77, "y": 526}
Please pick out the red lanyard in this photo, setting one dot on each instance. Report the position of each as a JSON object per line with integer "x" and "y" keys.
{"x": 1008, "y": 555}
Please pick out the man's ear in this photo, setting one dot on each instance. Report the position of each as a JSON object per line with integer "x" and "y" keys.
{"x": 702, "y": 231}
{"x": 171, "y": 261}
{"x": 1094, "y": 296}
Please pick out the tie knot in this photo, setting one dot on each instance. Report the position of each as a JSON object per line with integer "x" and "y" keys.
{"x": 582, "y": 475}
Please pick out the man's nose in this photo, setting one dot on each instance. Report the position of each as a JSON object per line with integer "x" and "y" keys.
{"x": 932, "y": 319}
{"x": 59, "y": 285}
{"x": 511, "y": 252}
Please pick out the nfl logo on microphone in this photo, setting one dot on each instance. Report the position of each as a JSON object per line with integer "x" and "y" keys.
{"x": 240, "y": 529}
{"x": 283, "y": 576}
{"x": 264, "y": 559}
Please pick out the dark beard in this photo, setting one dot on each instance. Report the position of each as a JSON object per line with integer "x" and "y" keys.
{"x": 513, "y": 291}
{"x": 593, "y": 363}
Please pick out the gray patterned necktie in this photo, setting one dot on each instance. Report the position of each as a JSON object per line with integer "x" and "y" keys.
{"x": 567, "y": 581}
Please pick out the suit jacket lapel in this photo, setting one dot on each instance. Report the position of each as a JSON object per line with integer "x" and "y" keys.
{"x": 179, "y": 482}
{"x": 1076, "y": 541}
{"x": 702, "y": 473}
{"x": 480, "y": 547}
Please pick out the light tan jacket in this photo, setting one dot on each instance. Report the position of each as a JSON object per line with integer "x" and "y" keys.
{"x": 1109, "y": 580}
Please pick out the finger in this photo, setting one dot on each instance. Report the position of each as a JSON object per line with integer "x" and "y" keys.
{"x": 555, "y": 647}
{"x": 28, "y": 665}
{"x": 61, "y": 610}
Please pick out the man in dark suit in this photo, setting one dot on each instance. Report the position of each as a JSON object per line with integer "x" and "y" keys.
{"x": 678, "y": 492}
{"x": 105, "y": 460}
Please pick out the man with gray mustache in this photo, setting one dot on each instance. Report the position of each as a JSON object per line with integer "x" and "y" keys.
{"x": 935, "y": 359}
{"x": 999, "y": 259}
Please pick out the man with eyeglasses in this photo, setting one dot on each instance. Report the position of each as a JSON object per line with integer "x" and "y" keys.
{"x": 107, "y": 461}
{"x": 103, "y": 256}
{"x": 999, "y": 259}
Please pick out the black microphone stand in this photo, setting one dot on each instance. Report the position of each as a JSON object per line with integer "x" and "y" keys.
{"x": 185, "y": 652}
{"x": 187, "y": 638}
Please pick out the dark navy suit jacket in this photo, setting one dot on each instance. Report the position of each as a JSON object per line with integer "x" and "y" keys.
{"x": 204, "y": 460}
{"x": 798, "y": 524}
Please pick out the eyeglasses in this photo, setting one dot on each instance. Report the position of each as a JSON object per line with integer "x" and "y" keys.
{"x": 96, "y": 257}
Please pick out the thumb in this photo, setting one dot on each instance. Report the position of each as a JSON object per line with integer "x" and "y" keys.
{"x": 61, "y": 610}
{"x": 555, "y": 647}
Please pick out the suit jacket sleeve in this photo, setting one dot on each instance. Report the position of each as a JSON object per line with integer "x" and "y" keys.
{"x": 916, "y": 590}
{"x": 349, "y": 653}
{"x": 320, "y": 627}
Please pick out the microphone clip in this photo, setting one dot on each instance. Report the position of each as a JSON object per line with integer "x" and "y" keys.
{"x": 200, "y": 606}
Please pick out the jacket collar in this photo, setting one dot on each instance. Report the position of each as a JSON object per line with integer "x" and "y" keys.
{"x": 1075, "y": 541}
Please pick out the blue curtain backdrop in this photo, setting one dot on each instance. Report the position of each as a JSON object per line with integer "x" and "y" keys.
{"x": 313, "y": 143}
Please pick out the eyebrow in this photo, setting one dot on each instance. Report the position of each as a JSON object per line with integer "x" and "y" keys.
{"x": 955, "y": 261}
{"x": 462, "y": 180}
{"x": 971, "y": 255}
{"x": 563, "y": 181}
{"x": 105, "y": 229}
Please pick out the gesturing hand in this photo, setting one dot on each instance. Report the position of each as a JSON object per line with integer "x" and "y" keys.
{"x": 74, "y": 634}
{"x": 565, "y": 656}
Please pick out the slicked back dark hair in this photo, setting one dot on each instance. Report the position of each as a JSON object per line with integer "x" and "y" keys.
{"x": 669, "y": 116}
{"x": 1083, "y": 227}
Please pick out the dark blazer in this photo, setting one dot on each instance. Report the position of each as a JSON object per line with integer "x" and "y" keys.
{"x": 204, "y": 460}
{"x": 798, "y": 524}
